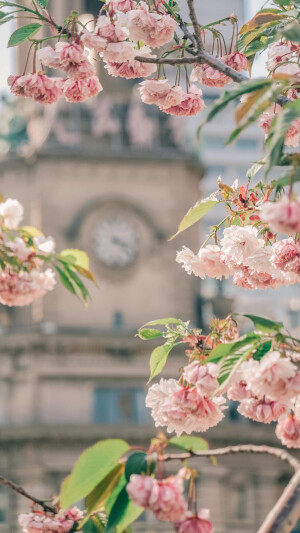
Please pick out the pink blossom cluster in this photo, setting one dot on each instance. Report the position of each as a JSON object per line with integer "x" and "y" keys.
{"x": 165, "y": 499}
{"x": 292, "y": 136}
{"x": 21, "y": 286}
{"x": 283, "y": 58}
{"x": 123, "y": 37}
{"x": 46, "y": 522}
{"x": 207, "y": 75}
{"x": 189, "y": 405}
{"x": 246, "y": 257}
{"x": 282, "y": 216}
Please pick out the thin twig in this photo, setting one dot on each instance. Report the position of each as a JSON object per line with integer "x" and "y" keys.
{"x": 197, "y": 31}
{"x": 281, "y": 454}
{"x": 24, "y": 493}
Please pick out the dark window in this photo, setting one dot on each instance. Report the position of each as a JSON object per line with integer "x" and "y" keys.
{"x": 119, "y": 406}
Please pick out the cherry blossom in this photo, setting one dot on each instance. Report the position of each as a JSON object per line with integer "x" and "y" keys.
{"x": 121, "y": 5}
{"x": 37, "y": 86}
{"x": 163, "y": 497}
{"x": 236, "y": 60}
{"x": 81, "y": 71}
{"x": 22, "y": 288}
{"x": 286, "y": 256}
{"x": 282, "y": 216}
{"x": 19, "y": 249}
{"x": 161, "y": 93}
{"x": 153, "y": 29}
{"x": 139, "y": 489}
{"x": 272, "y": 377}
{"x": 288, "y": 431}
{"x": 203, "y": 376}
{"x": 206, "y": 263}
{"x": 166, "y": 500}
{"x": 11, "y": 212}
{"x": 262, "y": 410}
{"x": 191, "y": 104}
{"x": 70, "y": 54}
{"x": 183, "y": 409}
{"x": 48, "y": 57}
{"x": 45, "y": 522}
{"x": 292, "y": 136}
{"x": 133, "y": 68}
{"x": 120, "y": 52}
{"x": 93, "y": 41}
{"x": 238, "y": 243}
{"x": 198, "y": 523}
{"x": 278, "y": 52}
{"x": 111, "y": 31}
{"x": 209, "y": 76}
{"x": 79, "y": 91}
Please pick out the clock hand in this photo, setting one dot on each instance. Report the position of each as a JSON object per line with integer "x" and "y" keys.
{"x": 116, "y": 240}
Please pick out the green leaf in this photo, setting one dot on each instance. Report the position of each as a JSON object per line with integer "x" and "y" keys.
{"x": 22, "y": 34}
{"x": 95, "y": 500}
{"x": 164, "y": 322}
{"x": 222, "y": 350}
{"x": 231, "y": 363}
{"x": 279, "y": 127}
{"x": 249, "y": 111}
{"x": 65, "y": 280}
{"x": 81, "y": 287}
{"x": 6, "y": 19}
{"x": 158, "y": 359}
{"x": 122, "y": 514}
{"x": 265, "y": 325}
{"x": 42, "y": 3}
{"x": 228, "y": 96}
{"x": 262, "y": 349}
{"x": 189, "y": 444}
{"x": 93, "y": 525}
{"x": 195, "y": 214}
{"x": 285, "y": 180}
{"x": 76, "y": 257}
{"x": 3, "y": 14}
{"x": 92, "y": 467}
{"x": 137, "y": 463}
{"x": 256, "y": 167}
{"x": 148, "y": 334}
{"x": 292, "y": 32}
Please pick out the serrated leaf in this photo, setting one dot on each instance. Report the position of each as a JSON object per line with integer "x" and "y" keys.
{"x": 265, "y": 325}
{"x": 22, "y": 34}
{"x": 94, "y": 464}
{"x": 222, "y": 350}
{"x": 31, "y": 231}
{"x": 81, "y": 287}
{"x": 264, "y": 17}
{"x": 230, "y": 364}
{"x": 158, "y": 359}
{"x": 148, "y": 334}
{"x": 188, "y": 443}
{"x": 76, "y": 257}
{"x": 261, "y": 350}
{"x": 195, "y": 214}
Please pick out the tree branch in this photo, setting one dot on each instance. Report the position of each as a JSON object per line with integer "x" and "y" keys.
{"x": 281, "y": 454}
{"x": 285, "y": 514}
{"x": 208, "y": 59}
{"x": 194, "y": 20}
{"x": 24, "y": 493}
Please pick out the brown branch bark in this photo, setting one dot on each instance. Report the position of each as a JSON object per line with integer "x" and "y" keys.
{"x": 195, "y": 23}
{"x": 281, "y": 454}
{"x": 23, "y": 492}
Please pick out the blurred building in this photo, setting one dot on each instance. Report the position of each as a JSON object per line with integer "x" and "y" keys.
{"x": 113, "y": 177}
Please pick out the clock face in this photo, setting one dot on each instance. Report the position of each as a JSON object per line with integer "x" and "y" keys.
{"x": 115, "y": 241}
